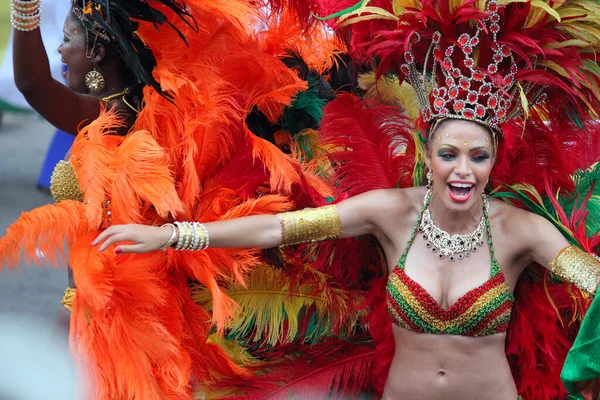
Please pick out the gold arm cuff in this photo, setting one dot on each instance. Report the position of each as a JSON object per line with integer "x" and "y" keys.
{"x": 68, "y": 298}
{"x": 309, "y": 225}
{"x": 577, "y": 267}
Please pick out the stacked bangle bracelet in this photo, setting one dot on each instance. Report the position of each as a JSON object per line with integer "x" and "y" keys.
{"x": 192, "y": 236}
{"x": 25, "y": 15}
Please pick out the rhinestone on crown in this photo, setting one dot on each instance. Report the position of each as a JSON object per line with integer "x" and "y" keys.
{"x": 468, "y": 91}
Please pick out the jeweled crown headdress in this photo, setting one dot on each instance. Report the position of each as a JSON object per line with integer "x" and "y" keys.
{"x": 462, "y": 89}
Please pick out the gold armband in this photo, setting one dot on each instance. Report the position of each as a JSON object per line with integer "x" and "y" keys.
{"x": 309, "y": 225}
{"x": 577, "y": 267}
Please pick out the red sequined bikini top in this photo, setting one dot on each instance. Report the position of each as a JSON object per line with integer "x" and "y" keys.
{"x": 484, "y": 310}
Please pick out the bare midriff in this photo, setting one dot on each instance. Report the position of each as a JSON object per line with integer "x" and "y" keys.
{"x": 435, "y": 367}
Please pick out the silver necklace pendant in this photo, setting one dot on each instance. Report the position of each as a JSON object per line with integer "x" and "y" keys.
{"x": 452, "y": 246}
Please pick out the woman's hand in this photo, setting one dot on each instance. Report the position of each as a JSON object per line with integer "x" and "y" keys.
{"x": 145, "y": 238}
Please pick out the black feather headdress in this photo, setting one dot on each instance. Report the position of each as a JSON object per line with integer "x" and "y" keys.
{"x": 116, "y": 21}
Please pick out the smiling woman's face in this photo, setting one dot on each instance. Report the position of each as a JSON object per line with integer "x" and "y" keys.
{"x": 461, "y": 156}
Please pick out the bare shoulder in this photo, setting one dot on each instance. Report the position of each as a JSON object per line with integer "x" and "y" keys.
{"x": 522, "y": 226}
{"x": 397, "y": 204}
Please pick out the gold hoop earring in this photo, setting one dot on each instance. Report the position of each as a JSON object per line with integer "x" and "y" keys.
{"x": 94, "y": 81}
{"x": 429, "y": 179}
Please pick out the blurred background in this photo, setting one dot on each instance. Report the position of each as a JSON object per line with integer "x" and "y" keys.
{"x": 34, "y": 361}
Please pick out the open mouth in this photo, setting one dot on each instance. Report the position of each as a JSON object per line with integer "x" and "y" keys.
{"x": 460, "y": 191}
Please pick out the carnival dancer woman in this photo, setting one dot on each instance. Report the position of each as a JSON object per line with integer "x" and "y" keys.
{"x": 181, "y": 150}
{"x": 453, "y": 255}
{"x": 105, "y": 68}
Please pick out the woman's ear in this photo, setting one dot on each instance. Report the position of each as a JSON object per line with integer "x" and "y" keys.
{"x": 99, "y": 53}
{"x": 427, "y": 156}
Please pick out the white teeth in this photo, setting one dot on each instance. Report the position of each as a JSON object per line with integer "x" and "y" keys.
{"x": 462, "y": 185}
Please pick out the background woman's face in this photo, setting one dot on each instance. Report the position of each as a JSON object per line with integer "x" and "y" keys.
{"x": 73, "y": 54}
{"x": 461, "y": 157}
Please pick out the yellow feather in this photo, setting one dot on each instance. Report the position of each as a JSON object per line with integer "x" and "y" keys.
{"x": 524, "y": 101}
{"x": 547, "y": 8}
{"x": 388, "y": 90}
{"x": 269, "y": 300}
{"x": 238, "y": 354}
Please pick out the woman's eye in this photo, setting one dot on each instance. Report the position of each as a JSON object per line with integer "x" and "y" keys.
{"x": 481, "y": 157}
{"x": 447, "y": 156}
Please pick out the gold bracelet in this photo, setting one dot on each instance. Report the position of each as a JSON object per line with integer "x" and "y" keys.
{"x": 171, "y": 239}
{"x": 577, "y": 267}
{"x": 309, "y": 225}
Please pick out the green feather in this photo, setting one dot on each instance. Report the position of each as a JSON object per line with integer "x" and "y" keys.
{"x": 308, "y": 102}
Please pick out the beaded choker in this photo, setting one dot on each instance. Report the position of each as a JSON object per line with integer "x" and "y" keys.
{"x": 451, "y": 246}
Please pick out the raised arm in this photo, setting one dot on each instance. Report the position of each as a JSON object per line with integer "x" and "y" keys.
{"x": 61, "y": 106}
{"x": 349, "y": 218}
{"x": 549, "y": 248}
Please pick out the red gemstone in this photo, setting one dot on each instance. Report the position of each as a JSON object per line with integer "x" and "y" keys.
{"x": 447, "y": 63}
{"x": 468, "y": 113}
{"x": 480, "y": 111}
{"x": 492, "y": 68}
{"x": 453, "y": 92}
{"x": 468, "y": 49}
{"x": 492, "y": 6}
{"x": 498, "y": 58}
{"x": 469, "y": 62}
{"x": 505, "y": 51}
{"x": 492, "y": 102}
{"x": 404, "y": 69}
{"x": 478, "y": 76}
{"x": 501, "y": 114}
{"x": 415, "y": 37}
{"x": 449, "y": 51}
{"x": 485, "y": 89}
{"x": 463, "y": 39}
{"x": 513, "y": 69}
{"x": 442, "y": 92}
{"x": 474, "y": 41}
{"x": 509, "y": 79}
{"x": 436, "y": 37}
{"x": 495, "y": 18}
{"x": 439, "y": 103}
{"x": 495, "y": 28}
{"x": 464, "y": 84}
{"x": 495, "y": 46}
{"x": 472, "y": 96}
{"x": 449, "y": 82}
{"x": 459, "y": 105}
{"x": 427, "y": 115}
{"x": 435, "y": 92}
{"x": 443, "y": 111}
{"x": 455, "y": 72}
{"x": 409, "y": 58}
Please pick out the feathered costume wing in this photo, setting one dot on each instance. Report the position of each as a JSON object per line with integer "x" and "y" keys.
{"x": 190, "y": 156}
{"x": 544, "y": 162}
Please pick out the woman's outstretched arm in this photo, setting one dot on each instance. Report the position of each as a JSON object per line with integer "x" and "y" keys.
{"x": 549, "y": 248}
{"x": 349, "y": 218}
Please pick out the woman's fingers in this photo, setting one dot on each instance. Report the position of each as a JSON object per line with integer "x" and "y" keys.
{"x": 114, "y": 234}
{"x": 116, "y": 238}
{"x": 104, "y": 235}
{"x": 131, "y": 248}
{"x": 145, "y": 238}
